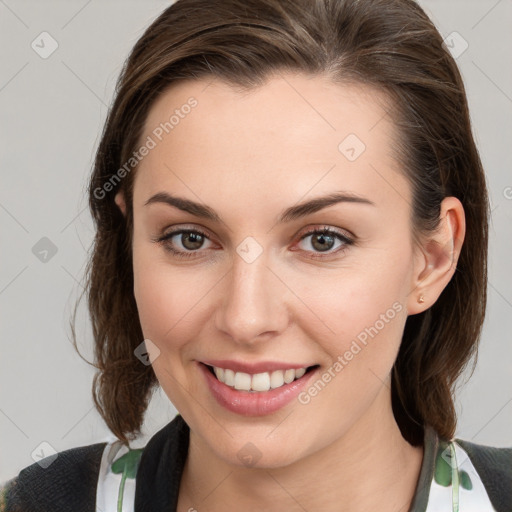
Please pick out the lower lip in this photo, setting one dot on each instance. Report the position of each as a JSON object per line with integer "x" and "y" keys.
{"x": 254, "y": 403}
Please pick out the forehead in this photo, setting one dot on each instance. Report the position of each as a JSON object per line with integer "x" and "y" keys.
{"x": 293, "y": 134}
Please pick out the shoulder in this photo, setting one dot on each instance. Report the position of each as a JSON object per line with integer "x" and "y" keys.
{"x": 100, "y": 475}
{"x": 61, "y": 482}
{"x": 494, "y": 467}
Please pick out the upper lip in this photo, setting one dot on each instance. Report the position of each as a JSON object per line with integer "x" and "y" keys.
{"x": 253, "y": 367}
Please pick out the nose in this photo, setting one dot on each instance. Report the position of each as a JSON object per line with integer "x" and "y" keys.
{"x": 252, "y": 307}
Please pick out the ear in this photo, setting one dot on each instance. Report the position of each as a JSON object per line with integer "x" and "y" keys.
{"x": 436, "y": 257}
{"x": 120, "y": 201}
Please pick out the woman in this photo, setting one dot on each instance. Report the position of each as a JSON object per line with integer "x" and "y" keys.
{"x": 291, "y": 220}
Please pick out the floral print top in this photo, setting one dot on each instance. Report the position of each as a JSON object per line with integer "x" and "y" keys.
{"x": 448, "y": 480}
{"x": 455, "y": 486}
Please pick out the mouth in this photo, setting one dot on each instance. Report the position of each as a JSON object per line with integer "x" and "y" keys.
{"x": 258, "y": 382}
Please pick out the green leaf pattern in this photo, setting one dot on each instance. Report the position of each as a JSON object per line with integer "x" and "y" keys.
{"x": 443, "y": 468}
{"x": 127, "y": 466}
{"x": 449, "y": 485}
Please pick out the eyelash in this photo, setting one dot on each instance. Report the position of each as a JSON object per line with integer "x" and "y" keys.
{"x": 325, "y": 230}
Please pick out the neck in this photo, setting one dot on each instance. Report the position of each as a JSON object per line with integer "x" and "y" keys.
{"x": 370, "y": 467}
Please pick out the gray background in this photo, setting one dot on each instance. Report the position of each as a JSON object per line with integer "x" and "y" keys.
{"x": 52, "y": 111}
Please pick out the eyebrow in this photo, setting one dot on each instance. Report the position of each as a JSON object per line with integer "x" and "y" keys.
{"x": 292, "y": 213}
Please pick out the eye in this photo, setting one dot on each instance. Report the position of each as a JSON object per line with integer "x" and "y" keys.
{"x": 324, "y": 240}
{"x": 186, "y": 243}
{"x": 191, "y": 240}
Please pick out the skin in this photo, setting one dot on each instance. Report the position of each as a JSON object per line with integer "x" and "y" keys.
{"x": 249, "y": 156}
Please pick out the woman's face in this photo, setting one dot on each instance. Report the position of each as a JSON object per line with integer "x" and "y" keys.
{"x": 254, "y": 288}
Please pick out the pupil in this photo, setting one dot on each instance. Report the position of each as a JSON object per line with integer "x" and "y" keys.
{"x": 196, "y": 239}
{"x": 322, "y": 241}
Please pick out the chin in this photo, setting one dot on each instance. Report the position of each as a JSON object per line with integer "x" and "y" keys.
{"x": 258, "y": 454}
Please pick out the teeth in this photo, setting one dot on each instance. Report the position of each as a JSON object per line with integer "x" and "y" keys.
{"x": 289, "y": 376}
{"x": 229, "y": 378}
{"x": 300, "y": 372}
{"x": 276, "y": 379}
{"x": 242, "y": 381}
{"x": 258, "y": 381}
{"x": 219, "y": 372}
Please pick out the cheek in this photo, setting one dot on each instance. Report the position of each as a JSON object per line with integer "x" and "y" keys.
{"x": 363, "y": 310}
{"x": 367, "y": 315}
{"x": 155, "y": 294}
{"x": 168, "y": 317}
{"x": 169, "y": 299}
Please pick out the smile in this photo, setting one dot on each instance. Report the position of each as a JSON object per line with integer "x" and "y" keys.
{"x": 257, "y": 393}
{"x": 257, "y": 382}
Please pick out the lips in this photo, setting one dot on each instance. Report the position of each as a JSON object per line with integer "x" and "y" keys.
{"x": 255, "y": 403}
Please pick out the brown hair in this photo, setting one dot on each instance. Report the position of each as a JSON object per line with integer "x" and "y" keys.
{"x": 390, "y": 45}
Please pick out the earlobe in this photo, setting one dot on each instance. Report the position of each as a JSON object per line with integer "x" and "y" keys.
{"x": 439, "y": 253}
{"x": 120, "y": 201}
